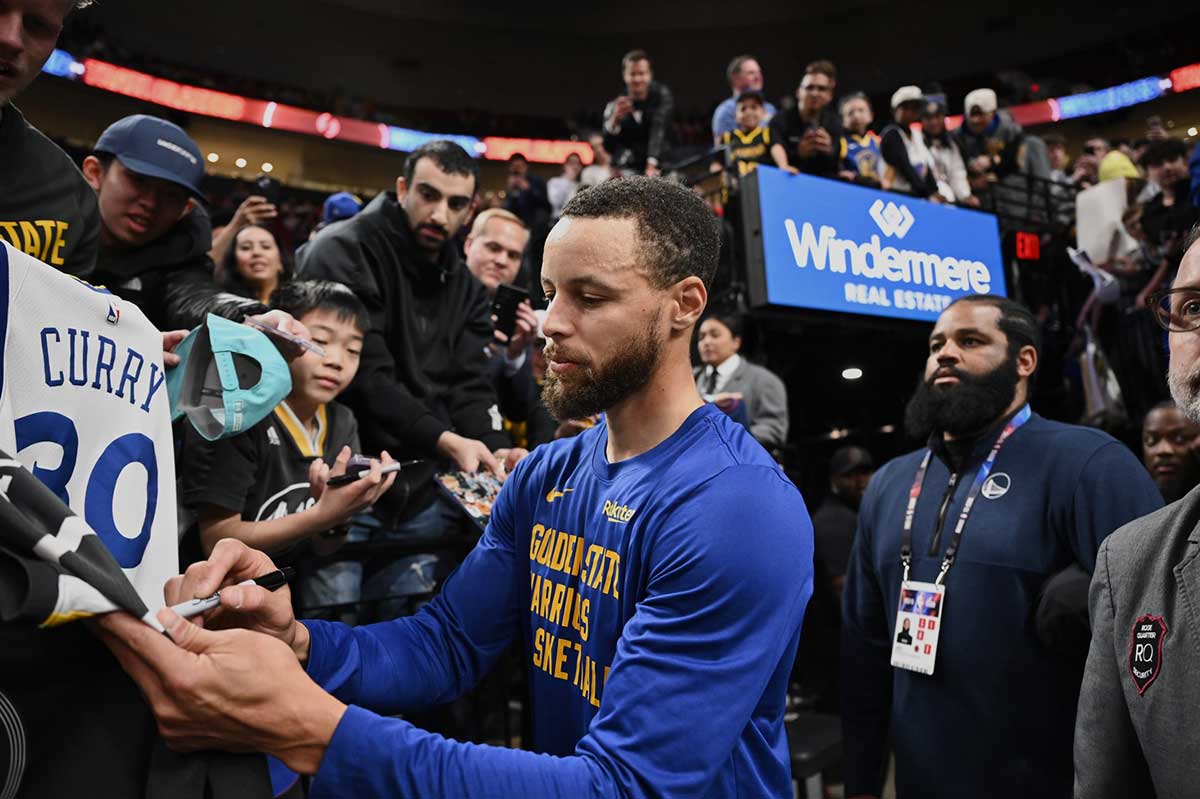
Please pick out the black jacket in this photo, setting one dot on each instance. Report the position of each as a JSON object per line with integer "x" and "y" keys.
{"x": 171, "y": 279}
{"x": 634, "y": 141}
{"x": 423, "y": 369}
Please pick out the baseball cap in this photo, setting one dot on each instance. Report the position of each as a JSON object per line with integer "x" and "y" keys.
{"x": 907, "y": 94}
{"x": 983, "y": 99}
{"x": 342, "y": 205}
{"x": 229, "y": 378}
{"x": 850, "y": 459}
{"x": 752, "y": 94}
{"x": 155, "y": 148}
{"x": 933, "y": 108}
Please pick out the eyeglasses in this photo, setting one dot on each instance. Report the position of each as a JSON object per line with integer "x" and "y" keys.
{"x": 1176, "y": 310}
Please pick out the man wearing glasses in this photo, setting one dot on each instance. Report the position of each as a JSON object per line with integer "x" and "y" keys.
{"x": 1140, "y": 679}
{"x": 807, "y": 137}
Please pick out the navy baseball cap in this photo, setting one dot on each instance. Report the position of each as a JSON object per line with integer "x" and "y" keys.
{"x": 342, "y": 205}
{"x": 229, "y": 378}
{"x": 155, "y": 148}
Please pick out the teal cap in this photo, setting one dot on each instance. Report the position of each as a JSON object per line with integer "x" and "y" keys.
{"x": 229, "y": 378}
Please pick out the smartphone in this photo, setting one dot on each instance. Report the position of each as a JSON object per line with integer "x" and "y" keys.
{"x": 504, "y": 307}
{"x": 268, "y": 188}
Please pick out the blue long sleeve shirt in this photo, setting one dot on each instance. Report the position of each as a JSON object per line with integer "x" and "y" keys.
{"x": 996, "y": 718}
{"x": 659, "y": 601}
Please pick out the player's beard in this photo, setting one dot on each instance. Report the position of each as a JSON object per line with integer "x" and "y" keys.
{"x": 589, "y": 388}
{"x": 965, "y": 408}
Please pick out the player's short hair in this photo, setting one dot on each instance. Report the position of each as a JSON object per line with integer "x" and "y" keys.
{"x": 634, "y": 56}
{"x": 299, "y": 297}
{"x": 448, "y": 156}
{"x": 484, "y": 217}
{"x": 678, "y": 233}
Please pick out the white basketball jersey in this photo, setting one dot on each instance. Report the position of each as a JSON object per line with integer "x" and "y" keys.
{"x": 83, "y": 405}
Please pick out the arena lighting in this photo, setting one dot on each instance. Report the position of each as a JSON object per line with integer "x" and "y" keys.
{"x": 1191, "y": 131}
{"x": 1185, "y": 78}
{"x": 542, "y": 151}
{"x": 213, "y": 158}
{"x": 268, "y": 166}
{"x": 207, "y": 102}
{"x": 1112, "y": 98}
{"x": 62, "y": 65}
{"x": 240, "y": 163}
{"x": 852, "y": 373}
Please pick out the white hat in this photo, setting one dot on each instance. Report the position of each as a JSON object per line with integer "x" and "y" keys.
{"x": 907, "y": 94}
{"x": 984, "y": 99}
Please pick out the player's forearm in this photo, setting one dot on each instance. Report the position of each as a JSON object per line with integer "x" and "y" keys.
{"x": 370, "y": 756}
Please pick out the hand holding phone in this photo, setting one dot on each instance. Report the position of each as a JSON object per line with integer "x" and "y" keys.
{"x": 504, "y": 307}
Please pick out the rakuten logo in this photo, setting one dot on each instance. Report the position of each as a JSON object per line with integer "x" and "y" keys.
{"x": 824, "y": 250}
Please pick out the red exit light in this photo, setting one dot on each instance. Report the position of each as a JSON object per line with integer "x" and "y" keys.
{"x": 1029, "y": 246}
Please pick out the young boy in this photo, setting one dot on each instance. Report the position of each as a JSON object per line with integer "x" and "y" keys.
{"x": 266, "y": 486}
{"x": 749, "y": 144}
{"x": 860, "y": 146}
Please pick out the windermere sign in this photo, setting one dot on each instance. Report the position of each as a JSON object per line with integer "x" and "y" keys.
{"x": 832, "y": 246}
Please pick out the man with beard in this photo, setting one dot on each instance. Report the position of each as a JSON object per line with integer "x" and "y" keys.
{"x": 997, "y": 503}
{"x": 655, "y": 568}
{"x": 1169, "y": 441}
{"x": 422, "y": 388}
{"x": 1132, "y": 736}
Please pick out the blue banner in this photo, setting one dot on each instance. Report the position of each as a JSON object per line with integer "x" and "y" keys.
{"x": 834, "y": 246}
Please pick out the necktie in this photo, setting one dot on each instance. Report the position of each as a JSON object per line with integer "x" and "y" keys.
{"x": 710, "y": 386}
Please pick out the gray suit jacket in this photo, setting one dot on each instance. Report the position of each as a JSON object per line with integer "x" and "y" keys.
{"x": 1136, "y": 733}
{"x": 765, "y": 398}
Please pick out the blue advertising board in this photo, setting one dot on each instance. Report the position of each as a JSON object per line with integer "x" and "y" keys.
{"x": 833, "y": 246}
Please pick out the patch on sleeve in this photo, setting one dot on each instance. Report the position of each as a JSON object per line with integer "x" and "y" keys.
{"x": 1146, "y": 651}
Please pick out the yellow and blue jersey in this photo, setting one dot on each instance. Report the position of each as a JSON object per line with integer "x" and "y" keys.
{"x": 659, "y": 602}
{"x": 860, "y": 155}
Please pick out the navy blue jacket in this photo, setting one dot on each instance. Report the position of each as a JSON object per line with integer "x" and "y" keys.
{"x": 998, "y": 714}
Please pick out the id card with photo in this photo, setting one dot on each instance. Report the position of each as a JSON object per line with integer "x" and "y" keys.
{"x": 918, "y": 625}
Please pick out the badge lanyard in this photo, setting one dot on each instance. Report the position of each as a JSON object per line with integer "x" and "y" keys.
{"x": 914, "y": 494}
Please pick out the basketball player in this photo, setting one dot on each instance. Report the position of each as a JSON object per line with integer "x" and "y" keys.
{"x": 656, "y": 569}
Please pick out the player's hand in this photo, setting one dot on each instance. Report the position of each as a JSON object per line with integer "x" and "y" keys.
{"x": 338, "y": 505}
{"x": 468, "y": 454}
{"x": 247, "y": 606}
{"x": 282, "y": 320}
{"x": 254, "y": 210}
{"x": 171, "y": 340}
{"x": 234, "y": 690}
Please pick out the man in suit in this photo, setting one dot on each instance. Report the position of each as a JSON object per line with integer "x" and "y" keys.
{"x": 735, "y": 385}
{"x": 1132, "y": 734}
